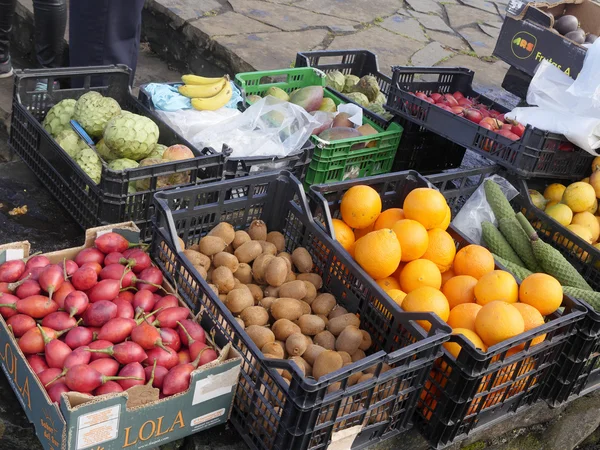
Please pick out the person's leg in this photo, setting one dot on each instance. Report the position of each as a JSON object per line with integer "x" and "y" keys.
{"x": 50, "y": 23}
{"x": 7, "y": 9}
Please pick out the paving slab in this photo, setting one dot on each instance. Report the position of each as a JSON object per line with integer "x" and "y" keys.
{"x": 486, "y": 73}
{"x": 286, "y": 18}
{"x": 181, "y": 11}
{"x": 425, "y": 6}
{"x": 430, "y": 55}
{"x": 357, "y": 10}
{"x": 449, "y": 40}
{"x": 465, "y": 15}
{"x": 390, "y": 48}
{"x": 405, "y": 26}
{"x": 269, "y": 50}
{"x": 228, "y": 24}
{"x": 481, "y": 43}
{"x": 490, "y": 31}
{"x": 432, "y": 22}
{"x": 484, "y": 5}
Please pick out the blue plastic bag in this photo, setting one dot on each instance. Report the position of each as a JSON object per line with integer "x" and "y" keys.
{"x": 165, "y": 97}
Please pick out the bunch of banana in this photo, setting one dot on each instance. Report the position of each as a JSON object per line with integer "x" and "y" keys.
{"x": 207, "y": 94}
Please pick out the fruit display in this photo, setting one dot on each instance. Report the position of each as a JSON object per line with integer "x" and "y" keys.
{"x": 568, "y": 26}
{"x": 102, "y": 321}
{"x": 207, "y": 94}
{"x": 277, "y": 299}
{"x": 124, "y": 140}
{"x": 364, "y": 91}
{"x": 474, "y": 111}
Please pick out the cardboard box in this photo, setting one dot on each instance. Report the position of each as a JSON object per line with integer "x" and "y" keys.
{"x": 135, "y": 419}
{"x": 527, "y": 37}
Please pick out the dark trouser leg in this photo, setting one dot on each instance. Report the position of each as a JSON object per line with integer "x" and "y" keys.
{"x": 104, "y": 32}
{"x": 7, "y": 10}
{"x": 50, "y": 22}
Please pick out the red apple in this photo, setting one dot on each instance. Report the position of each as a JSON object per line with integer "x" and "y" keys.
{"x": 518, "y": 129}
{"x": 473, "y": 115}
{"x": 506, "y": 126}
{"x": 430, "y": 100}
{"x": 421, "y": 95}
{"x": 487, "y": 126}
{"x": 445, "y": 107}
{"x": 458, "y": 110}
{"x": 451, "y": 100}
{"x": 436, "y": 96}
{"x": 465, "y": 102}
{"x": 501, "y": 118}
{"x": 458, "y": 95}
{"x": 508, "y": 134}
{"x": 495, "y": 123}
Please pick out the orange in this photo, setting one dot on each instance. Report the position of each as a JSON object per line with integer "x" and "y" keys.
{"x": 397, "y": 295}
{"x": 496, "y": 285}
{"x": 454, "y": 347}
{"x": 363, "y": 232}
{"x": 426, "y": 299}
{"x": 343, "y": 234}
{"x": 360, "y": 206}
{"x": 541, "y": 291}
{"x": 441, "y": 249}
{"x": 413, "y": 238}
{"x": 419, "y": 273}
{"x": 447, "y": 275}
{"x": 351, "y": 249}
{"x": 463, "y": 316}
{"x": 532, "y": 319}
{"x": 399, "y": 270}
{"x": 473, "y": 260}
{"x": 460, "y": 289}
{"x": 427, "y": 206}
{"x": 388, "y": 218}
{"x": 498, "y": 321}
{"x": 388, "y": 283}
{"x": 446, "y": 222}
{"x": 378, "y": 253}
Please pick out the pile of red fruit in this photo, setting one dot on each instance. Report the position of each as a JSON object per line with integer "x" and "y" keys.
{"x": 476, "y": 112}
{"x": 101, "y": 323}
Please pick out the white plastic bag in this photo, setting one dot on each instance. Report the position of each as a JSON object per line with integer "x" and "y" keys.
{"x": 476, "y": 209}
{"x": 270, "y": 127}
{"x": 189, "y": 122}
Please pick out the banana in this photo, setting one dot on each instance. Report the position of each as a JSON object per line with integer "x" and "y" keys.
{"x": 213, "y": 103}
{"x": 202, "y": 91}
{"x": 197, "y": 80}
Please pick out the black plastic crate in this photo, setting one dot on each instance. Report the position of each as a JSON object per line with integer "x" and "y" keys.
{"x": 89, "y": 203}
{"x": 537, "y": 154}
{"x": 477, "y": 388}
{"x": 420, "y": 149}
{"x": 268, "y": 413}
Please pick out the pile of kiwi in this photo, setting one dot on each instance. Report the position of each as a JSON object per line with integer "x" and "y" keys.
{"x": 275, "y": 297}
{"x": 568, "y": 26}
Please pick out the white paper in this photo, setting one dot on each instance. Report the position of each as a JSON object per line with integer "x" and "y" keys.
{"x": 343, "y": 440}
{"x": 215, "y": 385}
{"x": 98, "y": 426}
{"x": 11, "y": 254}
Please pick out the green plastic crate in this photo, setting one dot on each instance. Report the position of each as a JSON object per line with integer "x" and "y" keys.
{"x": 335, "y": 160}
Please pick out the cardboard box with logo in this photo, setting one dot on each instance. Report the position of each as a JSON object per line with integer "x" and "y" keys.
{"x": 134, "y": 419}
{"x": 527, "y": 36}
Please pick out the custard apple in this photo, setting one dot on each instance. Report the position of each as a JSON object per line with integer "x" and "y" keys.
{"x": 379, "y": 110}
{"x": 105, "y": 153}
{"x": 122, "y": 164}
{"x": 161, "y": 182}
{"x": 380, "y": 100}
{"x": 336, "y": 80}
{"x": 70, "y": 142}
{"x": 90, "y": 163}
{"x": 351, "y": 80}
{"x": 131, "y": 136}
{"x": 157, "y": 151}
{"x": 367, "y": 85}
{"x": 358, "y": 98}
{"x": 59, "y": 116}
{"x": 93, "y": 111}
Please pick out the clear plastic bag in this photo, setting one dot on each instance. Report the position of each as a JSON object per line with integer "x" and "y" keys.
{"x": 270, "y": 127}
{"x": 190, "y": 122}
{"x": 477, "y": 209}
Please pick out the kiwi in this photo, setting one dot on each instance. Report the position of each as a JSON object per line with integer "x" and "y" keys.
{"x": 325, "y": 339}
{"x": 345, "y": 357}
{"x": 310, "y": 324}
{"x": 259, "y": 266}
{"x": 239, "y": 299}
{"x": 365, "y": 377}
{"x": 266, "y": 302}
{"x": 241, "y": 237}
{"x": 291, "y": 276}
{"x": 348, "y": 340}
{"x": 271, "y": 291}
{"x": 353, "y": 379}
{"x": 302, "y": 260}
{"x": 336, "y": 312}
{"x": 313, "y": 278}
{"x": 222, "y": 277}
{"x": 211, "y": 245}
{"x": 243, "y": 273}
{"x": 324, "y": 318}
{"x": 284, "y": 328}
{"x": 227, "y": 260}
{"x": 214, "y": 288}
{"x": 287, "y": 257}
{"x": 248, "y": 252}
{"x": 337, "y": 324}
{"x": 323, "y": 304}
{"x": 241, "y": 322}
{"x": 366, "y": 341}
{"x": 296, "y": 344}
{"x": 286, "y": 308}
{"x": 311, "y": 353}
{"x": 260, "y": 335}
{"x": 305, "y": 308}
{"x": 268, "y": 247}
{"x": 358, "y": 355}
{"x": 311, "y": 292}
{"x": 256, "y": 291}
{"x": 223, "y": 298}
{"x": 327, "y": 362}
{"x": 258, "y": 230}
{"x": 255, "y": 315}
{"x": 237, "y": 284}
{"x": 197, "y": 258}
{"x": 223, "y": 230}
{"x": 277, "y": 239}
{"x": 294, "y": 289}
{"x": 300, "y": 363}
{"x": 276, "y": 272}
{"x": 566, "y": 24}
{"x": 202, "y": 271}
{"x": 273, "y": 348}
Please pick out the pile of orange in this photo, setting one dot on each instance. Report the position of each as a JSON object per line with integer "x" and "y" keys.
{"x": 414, "y": 259}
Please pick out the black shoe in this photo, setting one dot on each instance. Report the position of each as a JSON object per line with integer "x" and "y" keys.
{"x": 6, "y": 69}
